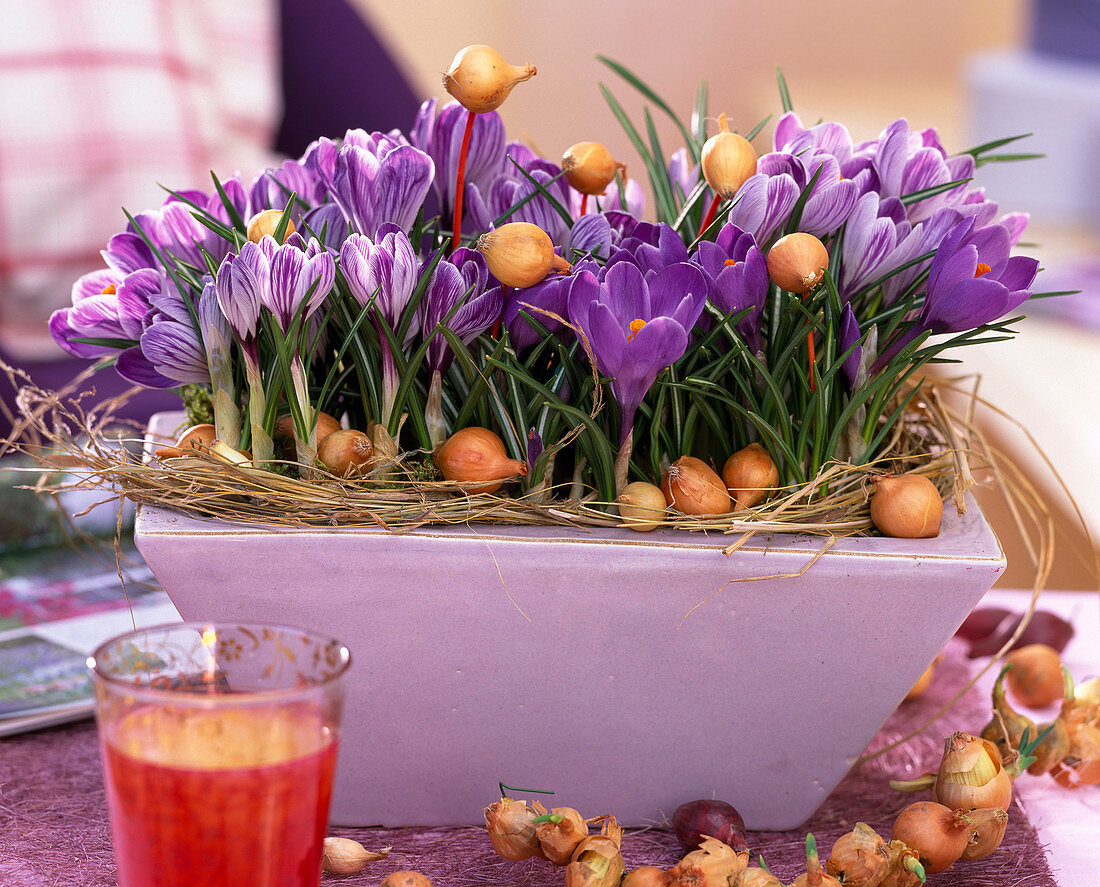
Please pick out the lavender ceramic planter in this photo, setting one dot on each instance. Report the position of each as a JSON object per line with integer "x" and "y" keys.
{"x": 625, "y": 671}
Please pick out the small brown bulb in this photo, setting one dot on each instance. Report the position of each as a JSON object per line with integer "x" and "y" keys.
{"x": 346, "y": 452}
{"x": 641, "y": 506}
{"x": 727, "y": 160}
{"x": 478, "y": 459}
{"x": 190, "y": 443}
{"x": 481, "y": 79}
{"x": 589, "y": 167}
{"x": 266, "y": 222}
{"x": 907, "y": 507}
{"x": 797, "y": 262}
{"x": 693, "y": 487}
{"x": 750, "y": 474}
{"x": 520, "y": 254}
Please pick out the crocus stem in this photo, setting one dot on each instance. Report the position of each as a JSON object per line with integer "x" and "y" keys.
{"x": 305, "y": 438}
{"x": 263, "y": 450}
{"x": 504, "y": 297}
{"x": 712, "y": 211}
{"x": 390, "y": 381}
{"x": 460, "y": 179}
{"x": 810, "y": 348}
{"x": 227, "y": 417}
{"x": 584, "y": 204}
{"x": 622, "y": 461}
{"x": 433, "y": 410}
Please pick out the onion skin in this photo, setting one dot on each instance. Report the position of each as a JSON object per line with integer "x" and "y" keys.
{"x": 860, "y": 857}
{"x": 693, "y": 487}
{"x": 264, "y": 223}
{"x": 512, "y": 830}
{"x": 1035, "y": 678}
{"x": 559, "y": 839}
{"x": 970, "y": 759}
{"x": 987, "y": 830}
{"x": 906, "y": 507}
{"x": 646, "y": 876}
{"x": 190, "y": 442}
{"x": 717, "y": 819}
{"x": 477, "y": 458}
{"x": 727, "y": 160}
{"x": 346, "y": 452}
{"x": 937, "y": 833}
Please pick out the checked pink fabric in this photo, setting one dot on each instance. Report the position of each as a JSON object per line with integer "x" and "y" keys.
{"x": 101, "y": 100}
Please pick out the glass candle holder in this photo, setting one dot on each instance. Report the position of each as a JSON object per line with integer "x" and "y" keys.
{"x": 219, "y": 747}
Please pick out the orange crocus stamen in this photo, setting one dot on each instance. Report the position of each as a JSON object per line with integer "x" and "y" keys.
{"x": 731, "y": 262}
{"x": 982, "y": 268}
{"x": 109, "y": 290}
{"x": 635, "y": 326}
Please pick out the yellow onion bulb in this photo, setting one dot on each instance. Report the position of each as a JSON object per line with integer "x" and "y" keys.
{"x": 641, "y": 506}
{"x": 559, "y": 834}
{"x": 908, "y": 506}
{"x": 346, "y": 452}
{"x": 727, "y": 160}
{"x": 1035, "y": 678}
{"x": 749, "y": 475}
{"x": 646, "y": 876}
{"x": 693, "y": 487}
{"x": 512, "y": 829}
{"x": 265, "y": 223}
{"x": 987, "y": 830}
{"x": 861, "y": 856}
{"x": 797, "y": 262}
{"x": 937, "y": 833}
{"x": 520, "y": 254}
{"x": 480, "y": 79}
{"x": 477, "y": 458}
{"x": 589, "y": 167}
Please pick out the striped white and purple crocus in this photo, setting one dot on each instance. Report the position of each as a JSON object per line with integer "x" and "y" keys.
{"x": 382, "y": 276}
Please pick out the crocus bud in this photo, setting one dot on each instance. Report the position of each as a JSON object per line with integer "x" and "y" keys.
{"x": 589, "y": 167}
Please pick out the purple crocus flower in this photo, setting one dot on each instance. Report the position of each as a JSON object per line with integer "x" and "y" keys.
{"x": 763, "y": 205}
{"x": 849, "y": 336}
{"x": 908, "y": 162}
{"x": 461, "y": 278}
{"x": 118, "y": 311}
{"x": 833, "y": 197}
{"x": 300, "y": 279}
{"x": 972, "y": 281}
{"x": 737, "y": 275}
{"x": 373, "y": 189}
{"x": 441, "y": 138}
{"x": 634, "y": 327}
{"x": 512, "y": 187}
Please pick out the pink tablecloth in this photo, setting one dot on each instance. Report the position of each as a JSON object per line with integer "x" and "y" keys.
{"x": 53, "y": 820}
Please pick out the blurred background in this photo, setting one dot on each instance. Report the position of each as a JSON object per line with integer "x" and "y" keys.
{"x": 102, "y": 99}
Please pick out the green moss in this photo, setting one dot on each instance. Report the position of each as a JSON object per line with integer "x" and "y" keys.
{"x": 197, "y": 404}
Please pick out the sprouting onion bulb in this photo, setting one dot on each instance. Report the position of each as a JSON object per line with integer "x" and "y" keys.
{"x": 478, "y": 459}
{"x": 481, "y": 79}
{"x": 727, "y": 160}
{"x": 797, "y": 262}
{"x": 512, "y": 828}
{"x": 520, "y": 254}
{"x": 907, "y": 507}
{"x": 938, "y": 833}
{"x": 589, "y": 167}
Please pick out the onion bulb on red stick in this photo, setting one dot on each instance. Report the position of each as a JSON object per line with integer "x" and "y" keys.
{"x": 727, "y": 161}
{"x": 693, "y": 487}
{"x": 797, "y": 263}
{"x": 266, "y": 222}
{"x": 987, "y": 830}
{"x": 512, "y": 829}
{"x": 480, "y": 79}
{"x": 477, "y": 458}
{"x": 589, "y": 168}
{"x": 694, "y": 820}
{"x": 520, "y": 254}
{"x": 937, "y": 833}
{"x": 908, "y": 506}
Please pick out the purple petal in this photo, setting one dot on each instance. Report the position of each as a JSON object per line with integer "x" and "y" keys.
{"x": 96, "y": 283}
{"x": 404, "y": 180}
{"x": 63, "y": 332}
{"x": 678, "y": 291}
{"x": 176, "y": 353}
{"x": 135, "y": 367}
